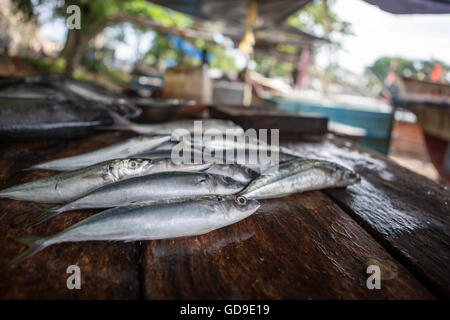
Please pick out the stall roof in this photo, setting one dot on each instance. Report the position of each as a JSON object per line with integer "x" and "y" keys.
{"x": 180, "y": 32}
{"x": 412, "y": 6}
{"x": 234, "y": 12}
{"x": 286, "y": 34}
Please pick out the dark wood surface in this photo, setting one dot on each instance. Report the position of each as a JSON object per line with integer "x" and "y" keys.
{"x": 301, "y": 247}
{"x": 407, "y": 213}
{"x": 314, "y": 245}
{"x": 272, "y": 118}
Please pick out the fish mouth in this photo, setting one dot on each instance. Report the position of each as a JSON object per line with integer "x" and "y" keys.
{"x": 252, "y": 205}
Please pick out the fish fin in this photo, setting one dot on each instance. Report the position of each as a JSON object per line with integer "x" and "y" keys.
{"x": 35, "y": 244}
{"x": 120, "y": 123}
{"x": 43, "y": 206}
{"x": 48, "y": 213}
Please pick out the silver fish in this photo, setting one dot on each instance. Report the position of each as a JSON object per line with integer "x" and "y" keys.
{"x": 169, "y": 185}
{"x": 121, "y": 150}
{"x": 241, "y": 157}
{"x": 238, "y": 172}
{"x": 235, "y": 171}
{"x": 68, "y": 186}
{"x": 299, "y": 175}
{"x": 250, "y": 145}
{"x": 170, "y": 128}
{"x": 163, "y": 220}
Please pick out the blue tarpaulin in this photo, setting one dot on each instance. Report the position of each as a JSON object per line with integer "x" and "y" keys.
{"x": 187, "y": 47}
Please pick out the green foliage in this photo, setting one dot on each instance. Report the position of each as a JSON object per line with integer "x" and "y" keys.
{"x": 47, "y": 64}
{"x": 402, "y": 66}
{"x": 286, "y": 48}
{"x": 162, "y": 49}
{"x": 115, "y": 76}
{"x": 166, "y": 17}
{"x": 221, "y": 59}
{"x": 79, "y": 74}
{"x": 270, "y": 67}
{"x": 319, "y": 18}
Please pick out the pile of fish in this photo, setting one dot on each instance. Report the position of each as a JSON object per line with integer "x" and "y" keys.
{"x": 147, "y": 195}
{"x": 56, "y": 107}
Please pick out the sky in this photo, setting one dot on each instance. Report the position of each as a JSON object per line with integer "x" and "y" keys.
{"x": 377, "y": 34}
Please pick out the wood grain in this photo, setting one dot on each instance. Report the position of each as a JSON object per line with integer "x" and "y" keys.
{"x": 298, "y": 247}
{"x": 303, "y": 246}
{"x": 407, "y": 213}
{"x": 108, "y": 270}
{"x": 272, "y": 118}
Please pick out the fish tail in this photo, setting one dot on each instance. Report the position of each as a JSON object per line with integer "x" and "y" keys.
{"x": 35, "y": 244}
{"x": 7, "y": 193}
{"x": 49, "y": 212}
{"x": 30, "y": 168}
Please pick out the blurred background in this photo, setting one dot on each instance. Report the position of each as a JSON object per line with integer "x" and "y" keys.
{"x": 379, "y": 71}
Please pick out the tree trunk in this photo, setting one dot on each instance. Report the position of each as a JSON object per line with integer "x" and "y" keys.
{"x": 76, "y": 43}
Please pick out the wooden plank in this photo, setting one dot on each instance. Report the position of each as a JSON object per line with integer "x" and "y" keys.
{"x": 299, "y": 247}
{"x": 272, "y": 118}
{"x": 108, "y": 270}
{"x": 408, "y": 213}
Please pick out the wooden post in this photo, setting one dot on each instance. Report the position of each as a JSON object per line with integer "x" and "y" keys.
{"x": 303, "y": 65}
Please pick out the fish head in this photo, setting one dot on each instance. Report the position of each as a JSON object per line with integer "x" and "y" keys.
{"x": 132, "y": 167}
{"x": 241, "y": 206}
{"x": 224, "y": 185}
{"x": 343, "y": 176}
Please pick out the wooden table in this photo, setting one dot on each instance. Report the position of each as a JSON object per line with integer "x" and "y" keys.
{"x": 315, "y": 245}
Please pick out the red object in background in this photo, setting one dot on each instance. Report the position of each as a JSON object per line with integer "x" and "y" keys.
{"x": 391, "y": 77}
{"x": 436, "y": 149}
{"x": 436, "y": 73}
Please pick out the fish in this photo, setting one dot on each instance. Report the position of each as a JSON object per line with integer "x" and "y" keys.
{"x": 148, "y": 221}
{"x": 235, "y": 171}
{"x": 299, "y": 175}
{"x": 124, "y": 149}
{"x": 168, "y": 185}
{"x": 97, "y": 93}
{"x": 34, "y": 119}
{"x": 170, "y": 128}
{"x": 164, "y": 151}
{"x": 69, "y": 186}
{"x": 60, "y": 88}
{"x": 250, "y": 145}
{"x": 243, "y": 157}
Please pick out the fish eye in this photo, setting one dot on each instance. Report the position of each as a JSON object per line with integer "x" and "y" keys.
{"x": 132, "y": 164}
{"x": 242, "y": 201}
